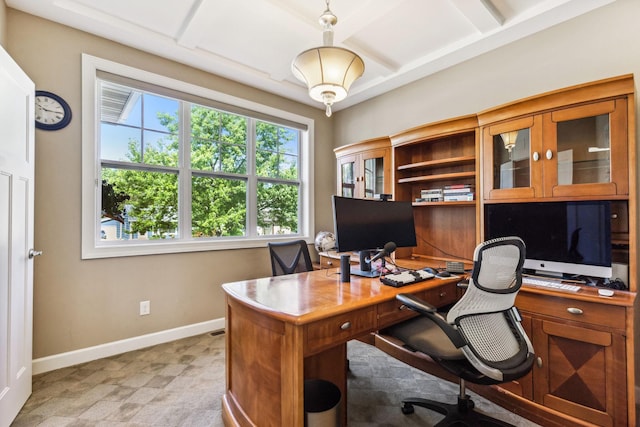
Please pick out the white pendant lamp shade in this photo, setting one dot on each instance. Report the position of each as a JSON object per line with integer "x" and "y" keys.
{"x": 328, "y": 71}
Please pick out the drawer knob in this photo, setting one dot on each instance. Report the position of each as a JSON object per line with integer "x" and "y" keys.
{"x": 539, "y": 362}
{"x": 402, "y": 307}
{"x": 574, "y": 310}
{"x": 443, "y": 294}
{"x": 345, "y": 326}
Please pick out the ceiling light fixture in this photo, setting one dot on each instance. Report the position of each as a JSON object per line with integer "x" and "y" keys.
{"x": 509, "y": 140}
{"x": 328, "y": 71}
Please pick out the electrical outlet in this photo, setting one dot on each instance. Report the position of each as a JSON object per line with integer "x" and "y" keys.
{"x": 145, "y": 308}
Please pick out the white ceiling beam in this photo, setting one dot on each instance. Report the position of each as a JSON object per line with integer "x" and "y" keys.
{"x": 194, "y": 25}
{"x": 482, "y": 14}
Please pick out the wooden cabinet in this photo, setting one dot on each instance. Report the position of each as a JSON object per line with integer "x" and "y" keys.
{"x": 580, "y": 345}
{"x": 576, "y": 143}
{"x": 364, "y": 168}
{"x": 431, "y": 158}
{"x": 571, "y": 143}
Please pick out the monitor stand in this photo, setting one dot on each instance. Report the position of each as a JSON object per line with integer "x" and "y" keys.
{"x": 365, "y": 267}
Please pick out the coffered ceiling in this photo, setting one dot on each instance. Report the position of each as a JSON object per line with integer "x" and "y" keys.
{"x": 254, "y": 41}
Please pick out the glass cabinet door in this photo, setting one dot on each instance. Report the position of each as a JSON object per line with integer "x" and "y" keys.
{"x": 373, "y": 176}
{"x": 347, "y": 177}
{"x": 511, "y": 152}
{"x": 590, "y": 149}
{"x": 511, "y": 160}
{"x": 584, "y": 150}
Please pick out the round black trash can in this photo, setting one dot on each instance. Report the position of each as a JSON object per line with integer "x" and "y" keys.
{"x": 321, "y": 404}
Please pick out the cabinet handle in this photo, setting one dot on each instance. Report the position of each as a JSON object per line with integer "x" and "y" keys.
{"x": 345, "y": 326}
{"x": 536, "y": 156}
{"x": 402, "y": 307}
{"x": 549, "y": 154}
{"x": 539, "y": 362}
{"x": 443, "y": 294}
{"x": 574, "y": 310}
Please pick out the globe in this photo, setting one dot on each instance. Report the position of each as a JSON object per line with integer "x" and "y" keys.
{"x": 325, "y": 241}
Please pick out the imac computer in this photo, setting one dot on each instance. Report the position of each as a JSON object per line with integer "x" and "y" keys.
{"x": 561, "y": 238}
{"x": 367, "y": 225}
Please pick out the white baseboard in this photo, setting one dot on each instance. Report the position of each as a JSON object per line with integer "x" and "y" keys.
{"x": 62, "y": 360}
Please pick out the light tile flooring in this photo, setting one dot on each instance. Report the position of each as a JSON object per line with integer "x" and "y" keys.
{"x": 181, "y": 384}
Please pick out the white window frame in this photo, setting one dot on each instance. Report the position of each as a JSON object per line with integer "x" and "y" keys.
{"x": 93, "y": 247}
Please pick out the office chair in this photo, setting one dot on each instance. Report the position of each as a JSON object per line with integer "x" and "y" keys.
{"x": 289, "y": 257}
{"x": 481, "y": 339}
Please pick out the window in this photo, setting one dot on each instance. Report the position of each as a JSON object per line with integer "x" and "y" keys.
{"x": 171, "y": 167}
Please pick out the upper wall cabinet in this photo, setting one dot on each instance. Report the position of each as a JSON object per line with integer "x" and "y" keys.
{"x": 436, "y": 168}
{"x": 364, "y": 168}
{"x": 571, "y": 143}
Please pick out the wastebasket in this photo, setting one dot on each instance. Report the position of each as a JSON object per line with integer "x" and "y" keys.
{"x": 321, "y": 404}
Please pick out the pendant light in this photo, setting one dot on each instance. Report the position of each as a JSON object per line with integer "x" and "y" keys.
{"x": 328, "y": 71}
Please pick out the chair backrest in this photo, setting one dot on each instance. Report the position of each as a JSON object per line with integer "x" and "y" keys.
{"x": 289, "y": 257}
{"x": 486, "y": 317}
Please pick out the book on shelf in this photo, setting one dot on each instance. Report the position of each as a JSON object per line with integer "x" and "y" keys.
{"x": 459, "y": 197}
{"x": 456, "y": 189}
{"x": 431, "y": 192}
{"x": 432, "y": 198}
{"x": 451, "y": 186}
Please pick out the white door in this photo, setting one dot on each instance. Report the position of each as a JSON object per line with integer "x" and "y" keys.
{"x": 16, "y": 236}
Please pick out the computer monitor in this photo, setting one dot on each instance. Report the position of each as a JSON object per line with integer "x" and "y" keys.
{"x": 366, "y": 225}
{"x": 561, "y": 238}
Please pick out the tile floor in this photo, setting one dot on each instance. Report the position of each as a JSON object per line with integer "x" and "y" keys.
{"x": 181, "y": 383}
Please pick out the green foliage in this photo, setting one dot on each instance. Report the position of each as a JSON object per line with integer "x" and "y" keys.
{"x": 219, "y": 186}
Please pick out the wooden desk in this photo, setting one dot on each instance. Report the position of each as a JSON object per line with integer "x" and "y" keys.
{"x": 281, "y": 330}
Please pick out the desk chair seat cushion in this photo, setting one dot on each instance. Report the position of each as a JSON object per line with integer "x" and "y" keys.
{"x": 424, "y": 335}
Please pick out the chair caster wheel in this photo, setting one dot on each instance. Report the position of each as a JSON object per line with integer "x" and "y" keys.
{"x": 407, "y": 408}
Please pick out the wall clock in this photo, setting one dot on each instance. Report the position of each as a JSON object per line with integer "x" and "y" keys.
{"x": 52, "y": 112}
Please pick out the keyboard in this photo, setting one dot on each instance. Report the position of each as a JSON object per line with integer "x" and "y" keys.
{"x": 549, "y": 284}
{"x": 405, "y": 278}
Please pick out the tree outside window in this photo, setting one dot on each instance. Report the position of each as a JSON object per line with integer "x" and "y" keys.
{"x": 171, "y": 169}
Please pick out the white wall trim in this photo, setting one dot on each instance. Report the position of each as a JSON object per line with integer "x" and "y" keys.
{"x": 63, "y": 360}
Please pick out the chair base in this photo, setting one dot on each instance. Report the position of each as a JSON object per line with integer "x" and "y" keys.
{"x": 460, "y": 414}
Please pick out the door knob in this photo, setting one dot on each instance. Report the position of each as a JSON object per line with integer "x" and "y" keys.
{"x": 33, "y": 253}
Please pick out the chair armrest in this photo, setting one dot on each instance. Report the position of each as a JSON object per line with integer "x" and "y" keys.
{"x": 427, "y": 310}
{"x": 416, "y": 304}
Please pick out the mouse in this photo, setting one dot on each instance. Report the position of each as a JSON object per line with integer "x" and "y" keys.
{"x": 431, "y": 270}
{"x": 443, "y": 273}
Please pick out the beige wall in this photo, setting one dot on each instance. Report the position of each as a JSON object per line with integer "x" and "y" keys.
{"x": 78, "y": 304}
{"x": 3, "y": 23}
{"x": 601, "y": 44}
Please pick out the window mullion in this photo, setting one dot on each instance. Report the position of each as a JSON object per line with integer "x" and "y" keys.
{"x": 184, "y": 163}
{"x": 252, "y": 182}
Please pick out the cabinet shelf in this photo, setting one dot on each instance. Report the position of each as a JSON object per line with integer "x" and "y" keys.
{"x": 463, "y": 203}
{"x": 454, "y": 161}
{"x": 437, "y": 177}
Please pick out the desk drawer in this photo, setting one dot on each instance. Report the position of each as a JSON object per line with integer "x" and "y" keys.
{"x": 391, "y": 312}
{"x": 570, "y": 309}
{"x": 326, "y": 333}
